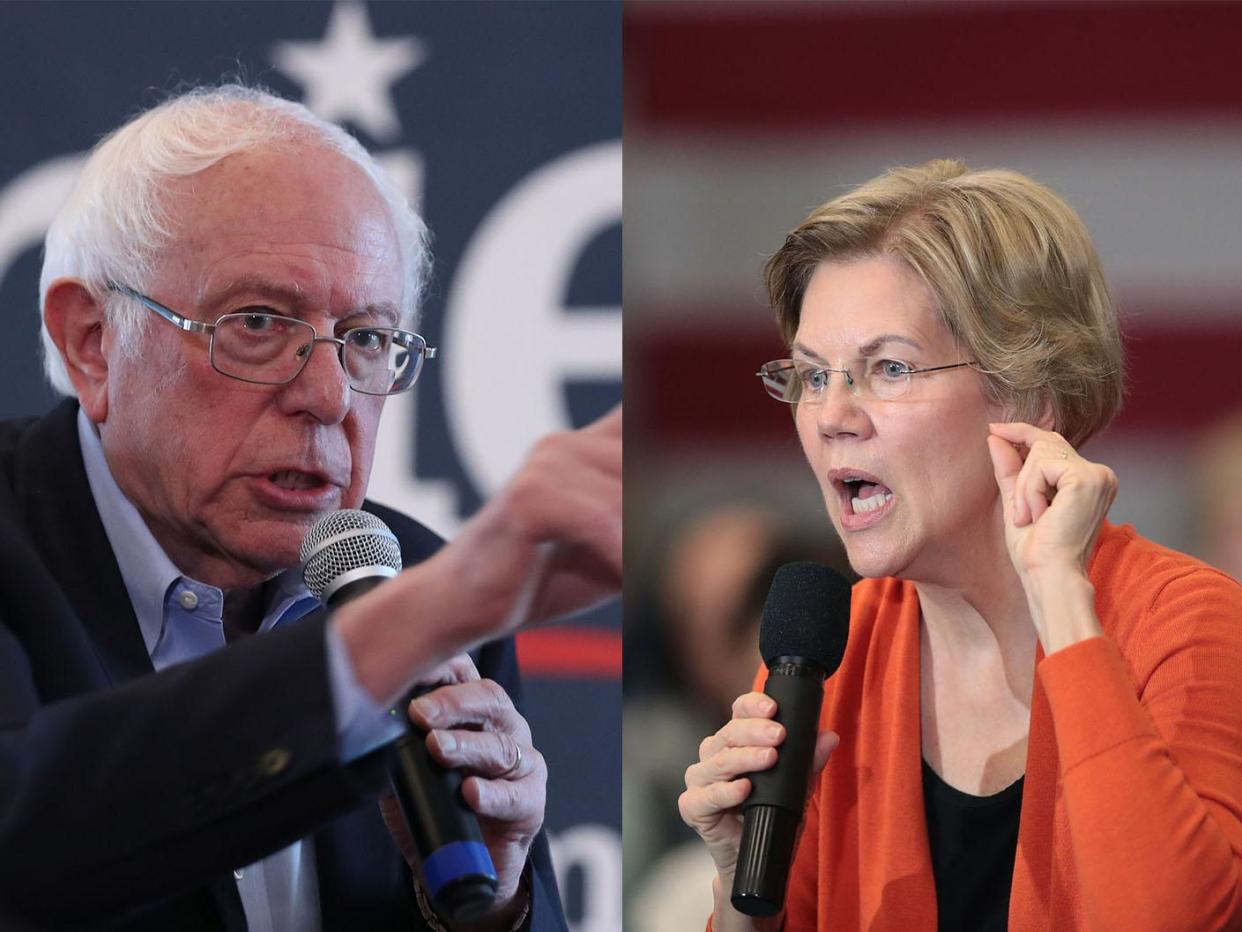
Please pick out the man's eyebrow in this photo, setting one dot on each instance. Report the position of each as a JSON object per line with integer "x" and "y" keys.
{"x": 866, "y": 349}
{"x": 386, "y": 310}
{"x": 289, "y": 295}
{"x": 293, "y": 297}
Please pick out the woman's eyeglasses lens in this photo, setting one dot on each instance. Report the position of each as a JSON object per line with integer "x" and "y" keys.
{"x": 795, "y": 382}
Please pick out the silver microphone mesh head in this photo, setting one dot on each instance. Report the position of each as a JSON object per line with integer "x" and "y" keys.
{"x": 344, "y": 546}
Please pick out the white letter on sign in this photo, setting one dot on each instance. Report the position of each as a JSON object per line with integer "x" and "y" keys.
{"x": 509, "y": 344}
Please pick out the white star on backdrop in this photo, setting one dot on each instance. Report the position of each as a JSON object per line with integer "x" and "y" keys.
{"x": 349, "y": 75}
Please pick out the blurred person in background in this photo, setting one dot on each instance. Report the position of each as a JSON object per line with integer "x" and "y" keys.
{"x": 1217, "y": 488}
{"x": 701, "y": 600}
{"x": 1028, "y": 690}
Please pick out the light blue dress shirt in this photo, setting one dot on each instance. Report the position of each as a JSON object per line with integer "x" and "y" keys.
{"x": 182, "y": 619}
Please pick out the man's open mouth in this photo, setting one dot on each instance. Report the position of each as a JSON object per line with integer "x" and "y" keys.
{"x": 295, "y": 480}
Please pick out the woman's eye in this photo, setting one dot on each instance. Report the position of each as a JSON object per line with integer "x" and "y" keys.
{"x": 890, "y": 368}
{"x": 816, "y": 379}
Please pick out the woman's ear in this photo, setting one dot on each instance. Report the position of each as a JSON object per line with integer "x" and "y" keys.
{"x": 1047, "y": 419}
{"x": 75, "y": 322}
{"x": 1037, "y": 411}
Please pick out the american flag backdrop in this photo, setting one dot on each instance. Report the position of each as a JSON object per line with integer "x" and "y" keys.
{"x": 740, "y": 117}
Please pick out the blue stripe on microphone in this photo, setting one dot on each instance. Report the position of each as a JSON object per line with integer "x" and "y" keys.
{"x": 456, "y": 860}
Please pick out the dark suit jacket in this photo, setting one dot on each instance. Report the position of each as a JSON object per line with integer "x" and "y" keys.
{"x": 127, "y": 796}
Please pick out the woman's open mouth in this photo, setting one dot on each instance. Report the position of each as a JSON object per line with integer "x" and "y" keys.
{"x": 864, "y": 499}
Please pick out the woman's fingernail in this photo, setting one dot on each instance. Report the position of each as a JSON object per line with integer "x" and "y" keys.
{"x": 447, "y": 742}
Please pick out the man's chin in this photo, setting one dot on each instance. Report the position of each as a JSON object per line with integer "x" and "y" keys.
{"x": 269, "y": 547}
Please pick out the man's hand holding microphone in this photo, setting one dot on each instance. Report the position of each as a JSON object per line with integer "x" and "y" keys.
{"x": 546, "y": 546}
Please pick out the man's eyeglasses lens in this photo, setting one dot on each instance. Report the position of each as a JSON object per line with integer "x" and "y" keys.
{"x": 272, "y": 349}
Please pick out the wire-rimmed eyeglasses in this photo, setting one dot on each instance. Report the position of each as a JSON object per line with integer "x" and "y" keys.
{"x": 794, "y": 381}
{"x": 271, "y": 349}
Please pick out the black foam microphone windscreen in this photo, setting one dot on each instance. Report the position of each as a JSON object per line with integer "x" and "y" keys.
{"x": 802, "y": 640}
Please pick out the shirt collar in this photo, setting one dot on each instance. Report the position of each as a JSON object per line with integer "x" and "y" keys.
{"x": 148, "y": 573}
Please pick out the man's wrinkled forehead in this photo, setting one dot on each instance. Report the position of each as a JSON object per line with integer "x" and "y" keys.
{"x": 235, "y": 225}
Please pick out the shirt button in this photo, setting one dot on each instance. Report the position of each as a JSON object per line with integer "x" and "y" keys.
{"x": 274, "y": 761}
{"x": 237, "y": 874}
{"x": 188, "y": 600}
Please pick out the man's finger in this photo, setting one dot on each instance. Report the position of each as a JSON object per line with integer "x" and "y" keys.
{"x": 459, "y": 669}
{"x": 519, "y": 802}
{"x": 609, "y": 424}
{"x": 479, "y": 702}
{"x": 490, "y": 753}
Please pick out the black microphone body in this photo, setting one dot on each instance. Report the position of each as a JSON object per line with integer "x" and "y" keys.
{"x": 773, "y": 810}
{"x": 457, "y": 868}
{"x": 805, "y": 625}
{"x": 458, "y": 873}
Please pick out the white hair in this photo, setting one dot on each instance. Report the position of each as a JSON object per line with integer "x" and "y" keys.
{"x": 116, "y": 220}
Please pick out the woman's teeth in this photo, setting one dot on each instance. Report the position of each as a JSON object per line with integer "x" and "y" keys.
{"x": 871, "y": 503}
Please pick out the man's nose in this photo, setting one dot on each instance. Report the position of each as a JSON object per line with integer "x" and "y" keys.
{"x": 321, "y": 389}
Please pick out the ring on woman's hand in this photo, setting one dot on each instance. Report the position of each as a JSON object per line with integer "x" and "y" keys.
{"x": 517, "y": 761}
{"x": 1064, "y": 455}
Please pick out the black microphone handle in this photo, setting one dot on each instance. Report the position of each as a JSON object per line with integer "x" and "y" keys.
{"x": 457, "y": 870}
{"x": 772, "y": 812}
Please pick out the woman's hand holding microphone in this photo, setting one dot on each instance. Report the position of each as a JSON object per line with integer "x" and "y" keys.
{"x": 717, "y": 786}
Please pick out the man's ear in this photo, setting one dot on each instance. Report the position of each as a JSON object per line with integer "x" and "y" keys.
{"x": 75, "y": 322}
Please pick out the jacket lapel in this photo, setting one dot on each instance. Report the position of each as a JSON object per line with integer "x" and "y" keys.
{"x": 60, "y": 514}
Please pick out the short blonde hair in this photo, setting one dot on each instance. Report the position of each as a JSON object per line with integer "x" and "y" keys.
{"x": 1015, "y": 275}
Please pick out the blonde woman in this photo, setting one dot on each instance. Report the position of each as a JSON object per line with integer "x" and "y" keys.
{"x": 1038, "y": 720}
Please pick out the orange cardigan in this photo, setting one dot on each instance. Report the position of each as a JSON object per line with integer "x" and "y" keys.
{"x": 1132, "y": 802}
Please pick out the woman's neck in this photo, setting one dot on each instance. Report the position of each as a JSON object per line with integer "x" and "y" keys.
{"x": 976, "y": 671}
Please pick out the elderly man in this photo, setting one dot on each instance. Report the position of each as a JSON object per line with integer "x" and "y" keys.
{"x": 229, "y": 294}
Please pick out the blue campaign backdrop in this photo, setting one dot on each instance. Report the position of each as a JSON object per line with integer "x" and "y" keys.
{"x": 502, "y": 122}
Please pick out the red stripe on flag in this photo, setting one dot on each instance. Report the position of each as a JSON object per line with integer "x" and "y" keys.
{"x": 785, "y": 66}
{"x": 566, "y": 652}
